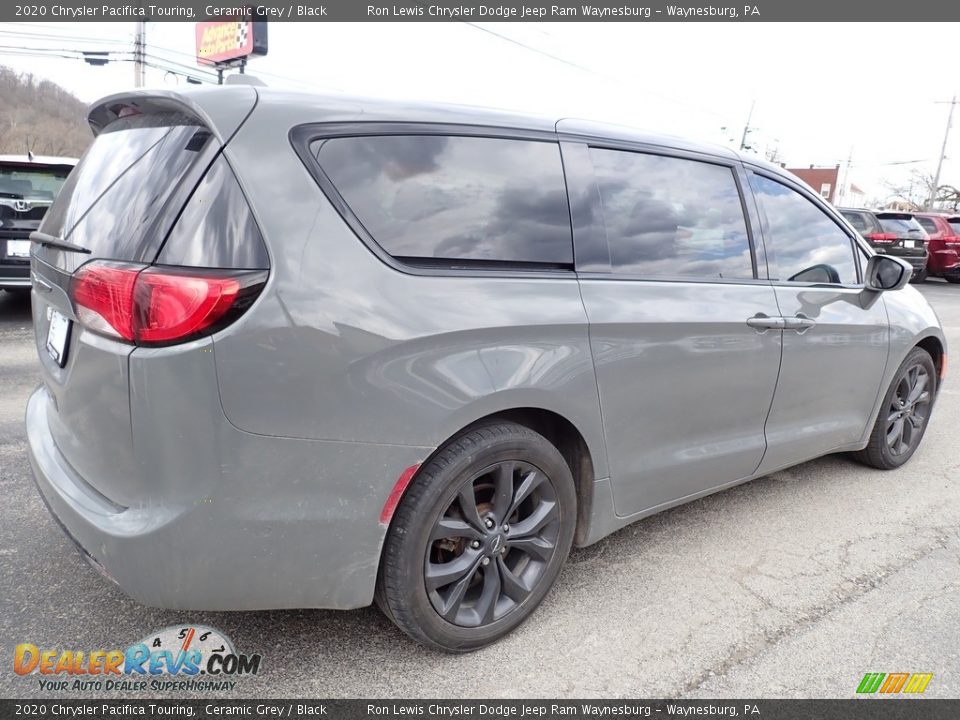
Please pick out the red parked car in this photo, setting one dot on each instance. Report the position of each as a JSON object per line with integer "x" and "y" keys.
{"x": 943, "y": 247}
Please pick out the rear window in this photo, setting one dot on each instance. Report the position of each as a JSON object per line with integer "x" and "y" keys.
{"x": 451, "y": 200}
{"x": 18, "y": 182}
{"x": 899, "y": 224}
{"x": 955, "y": 224}
{"x": 122, "y": 197}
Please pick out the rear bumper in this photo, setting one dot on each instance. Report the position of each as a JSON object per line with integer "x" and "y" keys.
{"x": 944, "y": 262}
{"x": 918, "y": 262}
{"x": 279, "y": 534}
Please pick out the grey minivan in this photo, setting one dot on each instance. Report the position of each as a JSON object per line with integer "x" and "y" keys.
{"x": 304, "y": 351}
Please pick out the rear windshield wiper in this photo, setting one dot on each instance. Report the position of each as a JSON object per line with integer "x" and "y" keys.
{"x": 55, "y": 242}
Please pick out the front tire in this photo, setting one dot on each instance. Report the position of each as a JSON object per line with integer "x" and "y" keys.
{"x": 479, "y": 538}
{"x": 904, "y": 414}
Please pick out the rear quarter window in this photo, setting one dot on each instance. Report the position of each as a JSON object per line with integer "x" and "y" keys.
{"x": 452, "y": 200}
{"x": 858, "y": 220}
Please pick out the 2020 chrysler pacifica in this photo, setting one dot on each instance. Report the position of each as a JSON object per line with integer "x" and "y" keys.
{"x": 306, "y": 351}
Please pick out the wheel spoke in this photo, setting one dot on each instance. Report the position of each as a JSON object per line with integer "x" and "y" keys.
{"x": 452, "y": 528}
{"x": 530, "y": 483}
{"x": 895, "y": 434}
{"x": 487, "y": 602}
{"x": 906, "y": 435}
{"x": 439, "y": 575}
{"x": 454, "y": 598}
{"x": 535, "y": 547}
{"x": 917, "y": 387}
{"x": 513, "y": 586}
{"x": 468, "y": 504}
{"x": 532, "y": 524}
{"x": 503, "y": 490}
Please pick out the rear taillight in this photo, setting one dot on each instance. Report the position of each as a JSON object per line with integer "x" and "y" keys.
{"x": 156, "y": 305}
{"x": 882, "y": 237}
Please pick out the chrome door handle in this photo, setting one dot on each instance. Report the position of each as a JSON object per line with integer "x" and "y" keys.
{"x": 763, "y": 322}
{"x": 799, "y": 322}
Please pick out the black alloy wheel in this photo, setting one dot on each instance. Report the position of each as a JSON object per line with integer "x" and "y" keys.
{"x": 478, "y": 538}
{"x": 492, "y": 544}
{"x": 904, "y": 414}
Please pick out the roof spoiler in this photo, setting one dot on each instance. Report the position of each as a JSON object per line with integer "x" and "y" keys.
{"x": 222, "y": 110}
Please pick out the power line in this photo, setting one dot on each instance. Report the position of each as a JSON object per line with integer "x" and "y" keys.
{"x": 590, "y": 70}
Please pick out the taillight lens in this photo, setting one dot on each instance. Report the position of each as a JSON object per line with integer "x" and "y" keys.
{"x": 103, "y": 297}
{"x": 882, "y": 237}
{"x": 155, "y": 305}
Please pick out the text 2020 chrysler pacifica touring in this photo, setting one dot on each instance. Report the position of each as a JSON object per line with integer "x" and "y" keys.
{"x": 317, "y": 352}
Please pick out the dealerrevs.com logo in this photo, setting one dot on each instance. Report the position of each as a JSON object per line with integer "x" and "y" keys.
{"x": 177, "y": 658}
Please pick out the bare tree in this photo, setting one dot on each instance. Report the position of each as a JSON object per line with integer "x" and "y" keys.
{"x": 916, "y": 193}
{"x": 40, "y": 117}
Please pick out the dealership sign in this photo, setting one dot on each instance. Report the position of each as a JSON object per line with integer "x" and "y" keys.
{"x": 230, "y": 41}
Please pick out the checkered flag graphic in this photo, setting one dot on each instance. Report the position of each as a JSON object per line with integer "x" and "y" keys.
{"x": 242, "y": 30}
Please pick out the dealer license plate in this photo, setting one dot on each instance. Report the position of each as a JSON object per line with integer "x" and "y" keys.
{"x": 57, "y": 336}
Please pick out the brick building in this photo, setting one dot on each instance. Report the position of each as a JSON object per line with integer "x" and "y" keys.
{"x": 825, "y": 181}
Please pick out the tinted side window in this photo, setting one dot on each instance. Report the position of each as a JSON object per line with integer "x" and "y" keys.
{"x": 803, "y": 242}
{"x": 668, "y": 216}
{"x": 216, "y": 228}
{"x": 427, "y": 197}
{"x": 929, "y": 225}
{"x": 857, "y": 220}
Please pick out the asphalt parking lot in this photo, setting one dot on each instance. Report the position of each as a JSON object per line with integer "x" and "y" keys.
{"x": 794, "y": 585}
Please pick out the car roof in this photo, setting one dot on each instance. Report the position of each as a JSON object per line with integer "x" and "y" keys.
{"x": 305, "y": 107}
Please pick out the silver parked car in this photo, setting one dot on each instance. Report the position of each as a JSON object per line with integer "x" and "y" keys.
{"x": 309, "y": 351}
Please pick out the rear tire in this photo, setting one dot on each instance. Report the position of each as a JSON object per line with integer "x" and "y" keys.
{"x": 904, "y": 414}
{"x": 478, "y": 539}
{"x": 955, "y": 279}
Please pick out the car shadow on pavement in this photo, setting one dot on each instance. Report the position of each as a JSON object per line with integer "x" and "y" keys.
{"x": 14, "y": 307}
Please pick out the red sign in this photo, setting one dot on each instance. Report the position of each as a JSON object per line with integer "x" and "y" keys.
{"x": 223, "y": 41}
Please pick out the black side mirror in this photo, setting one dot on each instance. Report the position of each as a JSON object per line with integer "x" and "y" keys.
{"x": 885, "y": 272}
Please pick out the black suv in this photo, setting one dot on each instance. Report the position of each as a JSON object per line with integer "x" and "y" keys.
{"x": 28, "y": 186}
{"x": 892, "y": 233}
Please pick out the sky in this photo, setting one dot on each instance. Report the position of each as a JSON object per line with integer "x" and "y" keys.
{"x": 821, "y": 93}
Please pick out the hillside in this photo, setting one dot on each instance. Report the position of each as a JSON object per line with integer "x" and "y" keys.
{"x": 41, "y": 116}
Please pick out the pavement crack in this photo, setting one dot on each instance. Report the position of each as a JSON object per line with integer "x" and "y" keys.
{"x": 855, "y": 589}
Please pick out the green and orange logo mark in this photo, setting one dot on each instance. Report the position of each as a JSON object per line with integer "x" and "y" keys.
{"x": 894, "y": 683}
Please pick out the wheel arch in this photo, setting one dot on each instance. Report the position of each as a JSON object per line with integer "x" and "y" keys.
{"x": 561, "y": 432}
{"x": 933, "y": 345}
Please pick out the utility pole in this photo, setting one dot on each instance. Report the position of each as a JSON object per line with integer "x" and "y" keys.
{"x": 139, "y": 53}
{"x": 943, "y": 153}
{"x": 746, "y": 128}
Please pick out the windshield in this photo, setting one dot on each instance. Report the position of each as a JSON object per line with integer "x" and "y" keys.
{"x": 18, "y": 182}
{"x": 901, "y": 225}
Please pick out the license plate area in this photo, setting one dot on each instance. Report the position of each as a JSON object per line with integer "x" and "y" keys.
{"x": 58, "y": 337}
{"x": 18, "y": 249}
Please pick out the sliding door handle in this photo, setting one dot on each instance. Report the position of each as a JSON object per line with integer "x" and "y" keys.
{"x": 763, "y": 322}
